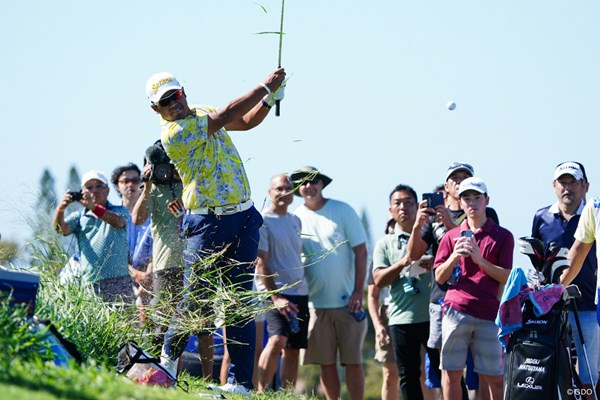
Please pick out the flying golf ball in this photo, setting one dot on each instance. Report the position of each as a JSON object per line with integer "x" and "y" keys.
{"x": 451, "y": 105}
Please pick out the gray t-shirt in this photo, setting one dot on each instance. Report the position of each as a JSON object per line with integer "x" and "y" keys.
{"x": 280, "y": 237}
{"x": 167, "y": 247}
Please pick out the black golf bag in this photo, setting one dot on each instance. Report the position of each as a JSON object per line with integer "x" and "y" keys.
{"x": 538, "y": 362}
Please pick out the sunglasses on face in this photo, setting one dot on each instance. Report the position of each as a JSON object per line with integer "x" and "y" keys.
{"x": 97, "y": 187}
{"x": 165, "y": 101}
{"x": 311, "y": 181}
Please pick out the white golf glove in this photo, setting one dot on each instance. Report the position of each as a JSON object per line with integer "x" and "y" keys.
{"x": 279, "y": 94}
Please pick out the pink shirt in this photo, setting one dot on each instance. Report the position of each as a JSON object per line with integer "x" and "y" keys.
{"x": 476, "y": 294}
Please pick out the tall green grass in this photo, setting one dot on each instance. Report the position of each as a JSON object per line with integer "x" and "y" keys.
{"x": 99, "y": 329}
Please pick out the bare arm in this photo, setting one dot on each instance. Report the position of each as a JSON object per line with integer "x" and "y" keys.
{"x": 444, "y": 270}
{"x": 266, "y": 276}
{"x": 111, "y": 218}
{"x": 386, "y": 276}
{"x": 577, "y": 255}
{"x": 416, "y": 246}
{"x": 495, "y": 272}
{"x": 247, "y": 111}
{"x": 360, "y": 272}
{"x": 58, "y": 221}
{"x": 373, "y": 302}
{"x": 140, "y": 209}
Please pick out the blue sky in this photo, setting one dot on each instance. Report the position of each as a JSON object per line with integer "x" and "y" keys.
{"x": 365, "y": 102}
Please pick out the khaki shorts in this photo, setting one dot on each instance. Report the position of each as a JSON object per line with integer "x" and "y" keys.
{"x": 333, "y": 329}
{"x": 458, "y": 331}
{"x": 384, "y": 353}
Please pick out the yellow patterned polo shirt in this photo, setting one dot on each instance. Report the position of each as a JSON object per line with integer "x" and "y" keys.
{"x": 210, "y": 167}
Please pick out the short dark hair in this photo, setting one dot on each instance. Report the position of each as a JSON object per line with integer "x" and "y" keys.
{"x": 404, "y": 188}
{"x": 439, "y": 188}
{"x": 114, "y": 178}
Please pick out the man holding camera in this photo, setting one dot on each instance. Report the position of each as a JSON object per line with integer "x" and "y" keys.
{"x": 220, "y": 216}
{"x": 101, "y": 235}
{"x": 475, "y": 258}
{"x": 126, "y": 181}
{"x": 409, "y": 282}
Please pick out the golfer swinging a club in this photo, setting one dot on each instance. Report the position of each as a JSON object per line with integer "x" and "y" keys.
{"x": 220, "y": 215}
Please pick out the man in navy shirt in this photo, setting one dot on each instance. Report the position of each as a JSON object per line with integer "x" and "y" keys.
{"x": 557, "y": 223}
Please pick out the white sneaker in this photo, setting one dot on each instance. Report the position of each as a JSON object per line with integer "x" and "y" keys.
{"x": 232, "y": 388}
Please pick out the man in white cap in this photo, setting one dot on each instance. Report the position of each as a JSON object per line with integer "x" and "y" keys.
{"x": 100, "y": 231}
{"x": 220, "y": 217}
{"x": 335, "y": 260}
{"x": 475, "y": 258}
{"x": 557, "y": 223}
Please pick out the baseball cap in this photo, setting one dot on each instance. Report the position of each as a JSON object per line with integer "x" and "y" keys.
{"x": 93, "y": 174}
{"x": 160, "y": 83}
{"x": 458, "y": 166}
{"x": 472, "y": 183}
{"x": 571, "y": 168}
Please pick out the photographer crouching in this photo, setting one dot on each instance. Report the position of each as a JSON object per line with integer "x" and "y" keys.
{"x": 101, "y": 237}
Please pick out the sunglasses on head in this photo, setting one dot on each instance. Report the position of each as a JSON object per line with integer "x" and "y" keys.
{"x": 165, "y": 101}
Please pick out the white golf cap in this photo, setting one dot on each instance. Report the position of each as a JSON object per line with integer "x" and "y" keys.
{"x": 570, "y": 168}
{"x": 472, "y": 183}
{"x": 93, "y": 174}
{"x": 160, "y": 83}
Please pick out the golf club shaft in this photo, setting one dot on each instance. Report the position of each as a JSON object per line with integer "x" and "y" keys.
{"x": 587, "y": 361}
{"x": 278, "y": 102}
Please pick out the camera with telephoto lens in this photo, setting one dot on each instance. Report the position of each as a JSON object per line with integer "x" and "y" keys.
{"x": 409, "y": 287}
{"x": 162, "y": 171}
{"x": 76, "y": 196}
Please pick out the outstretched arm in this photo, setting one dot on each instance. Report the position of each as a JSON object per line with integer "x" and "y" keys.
{"x": 247, "y": 111}
{"x": 577, "y": 255}
{"x": 140, "y": 209}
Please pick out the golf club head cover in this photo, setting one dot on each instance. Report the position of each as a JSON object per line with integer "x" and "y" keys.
{"x": 556, "y": 263}
{"x": 533, "y": 248}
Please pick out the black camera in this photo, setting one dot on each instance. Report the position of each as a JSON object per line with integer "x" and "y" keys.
{"x": 409, "y": 287}
{"x": 162, "y": 171}
{"x": 76, "y": 196}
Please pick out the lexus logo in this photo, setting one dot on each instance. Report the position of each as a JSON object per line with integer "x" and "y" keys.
{"x": 529, "y": 380}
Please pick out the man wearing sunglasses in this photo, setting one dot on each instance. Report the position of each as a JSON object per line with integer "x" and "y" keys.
{"x": 101, "y": 237}
{"x": 126, "y": 181}
{"x": 220, "y": 215}
{"x": 335, "y": 261}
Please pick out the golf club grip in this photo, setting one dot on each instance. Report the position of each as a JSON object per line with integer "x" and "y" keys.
{"x": 277, "y": 103}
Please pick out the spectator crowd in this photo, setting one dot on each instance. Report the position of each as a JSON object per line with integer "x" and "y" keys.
{"x": 434, "y": 282}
